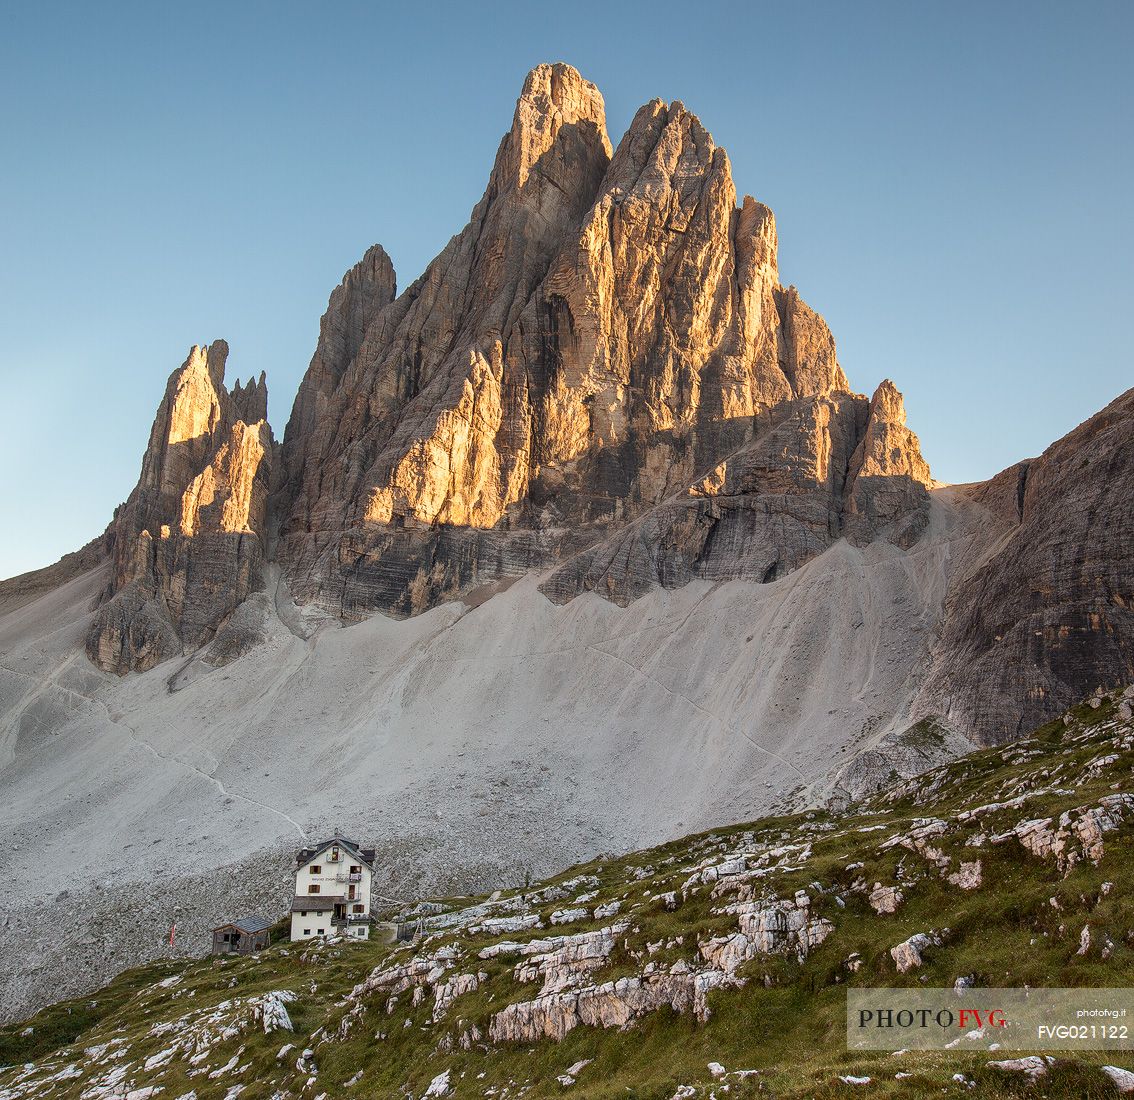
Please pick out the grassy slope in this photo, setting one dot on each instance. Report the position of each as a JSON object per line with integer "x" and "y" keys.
{"x": 787, "y": 1020}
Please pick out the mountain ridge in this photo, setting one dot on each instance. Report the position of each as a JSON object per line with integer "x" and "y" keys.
{"x": 600, "y": 375}
{"x": 578, "y": 542}
{"x": 607, "y": 332}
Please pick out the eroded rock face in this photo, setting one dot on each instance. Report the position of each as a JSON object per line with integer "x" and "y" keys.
{"x": 795, "y": 489}
{"x": 1048, "y": 614}
{"x": 187, "y": 546}
{"x": 606, "y": 340}
{"x": 888, "y": 477}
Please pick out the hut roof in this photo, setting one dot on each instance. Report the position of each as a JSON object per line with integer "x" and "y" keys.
{"x": 249, "y": 925}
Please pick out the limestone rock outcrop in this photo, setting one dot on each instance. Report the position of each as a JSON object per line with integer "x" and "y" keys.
{"x": 188, "y": 545}
{"x": 809, "y": 476}
{"x": 607, "y": 341}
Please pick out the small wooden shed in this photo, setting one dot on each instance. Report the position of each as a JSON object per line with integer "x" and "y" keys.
{"x": 244, "y": 936}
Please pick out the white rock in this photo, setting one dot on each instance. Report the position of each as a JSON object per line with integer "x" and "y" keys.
{"x": 885, "y": 899}
{"x": 439, "y": 1086}
{"x": 228, "y": 1067}
{"x": 968, "y": 877}
{"x": 1032, "y": 1065}
{"x": 907, "y": 954}
{"x": 1123, "y": 1079}
{"x": 567, "y": 916}
{"x": 273, "y": 1012}
{"x": 507, "y": 924}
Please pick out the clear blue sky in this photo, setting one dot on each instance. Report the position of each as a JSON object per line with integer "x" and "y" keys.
{"x": 952, "y": 183}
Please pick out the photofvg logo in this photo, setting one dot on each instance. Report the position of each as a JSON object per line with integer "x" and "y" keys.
{"x": 999, "y": 1019}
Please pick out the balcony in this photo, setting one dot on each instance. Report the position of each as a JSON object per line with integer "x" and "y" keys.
{"x": 356, "y": 877}
{"x": 350, "y": 918}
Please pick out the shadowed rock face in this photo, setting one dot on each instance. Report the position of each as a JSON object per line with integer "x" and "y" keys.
{"x": 187, "y": 546}
{"x": 770, "y": 506}
{"x": 605, "y": 344}
{"x": 1047, "y": 614}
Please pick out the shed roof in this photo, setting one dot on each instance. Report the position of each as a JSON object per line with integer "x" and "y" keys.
{"x": 255, "y": 923}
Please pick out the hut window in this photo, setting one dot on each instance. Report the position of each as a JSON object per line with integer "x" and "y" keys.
{"x": 316, "y": 869}
{"x": 313, "y": 888}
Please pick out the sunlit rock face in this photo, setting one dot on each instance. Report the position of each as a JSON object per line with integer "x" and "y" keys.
{"x": 600, "y": 376}
{"x": 807, "y": 477}
{"x": 606, "y": 342}
{"x": 188, "y": 545}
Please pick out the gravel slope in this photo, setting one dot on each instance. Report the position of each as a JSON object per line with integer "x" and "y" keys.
{"x": 469, "y": 745}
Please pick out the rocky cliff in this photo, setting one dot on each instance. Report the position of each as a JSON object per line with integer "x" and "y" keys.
{"x": 188, "y": 545}
{"x": 607, "y": 337}
{"x": 1045, "y": 613}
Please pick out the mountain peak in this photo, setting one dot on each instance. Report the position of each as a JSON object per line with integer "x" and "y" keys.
{"x": 607, "y": 338}
{"x": 554, "y": 97}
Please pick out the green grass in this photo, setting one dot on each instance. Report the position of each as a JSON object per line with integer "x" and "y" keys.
{"x": 787, "y": 1021}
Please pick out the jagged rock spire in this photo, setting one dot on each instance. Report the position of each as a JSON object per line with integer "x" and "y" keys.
{"x": 188, "y": 545}
{"x": 888, "y": 478}
{"x": 604, "y": 331}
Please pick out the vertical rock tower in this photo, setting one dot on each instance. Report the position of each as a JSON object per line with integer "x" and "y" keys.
{"x": 189, "y": 544}
{"x": 604, "y": 334}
